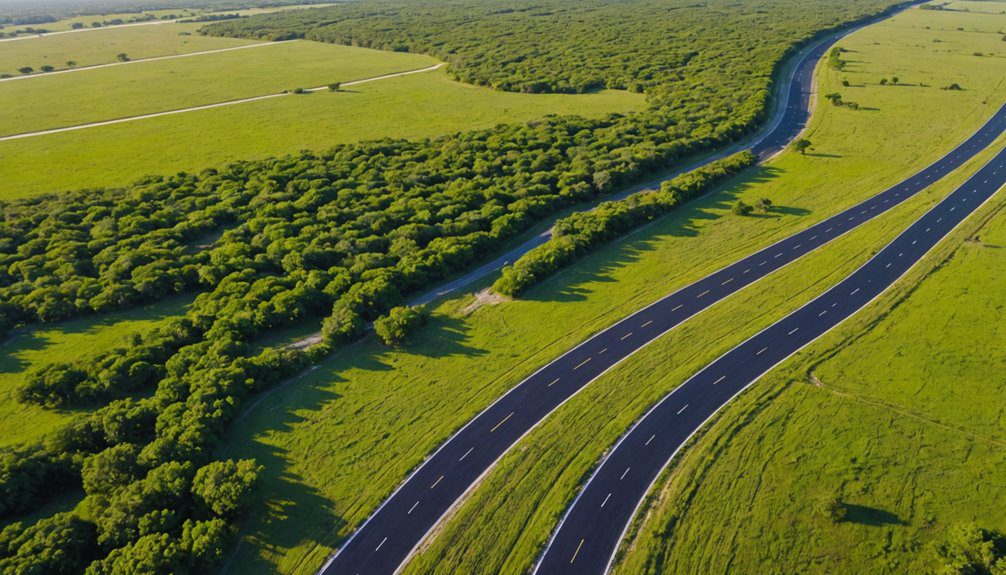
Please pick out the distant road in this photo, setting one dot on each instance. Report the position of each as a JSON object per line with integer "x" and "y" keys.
{"x": 207, "y": 106}
{"x": 386, "y": 540}
{"x": 588, "y": 536}
{"x": 140, "y": 60}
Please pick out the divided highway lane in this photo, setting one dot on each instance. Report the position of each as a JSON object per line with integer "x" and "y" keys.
{"x": 588, "y": 536}
{"x": 390, "y": 535}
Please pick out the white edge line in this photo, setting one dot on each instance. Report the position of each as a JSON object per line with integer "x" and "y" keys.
{"x": 649, "y": 488}
{"x": 625, "y": 319}
{"x": 598, "y": 376}
{"x": 587, "y": 341}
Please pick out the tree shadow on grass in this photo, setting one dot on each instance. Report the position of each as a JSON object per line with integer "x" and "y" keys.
{"x": 571, "y": 283}
{"x": 872, "y": 516}
{"x": 444, "y": 336}
{"x": 291, "y": 514}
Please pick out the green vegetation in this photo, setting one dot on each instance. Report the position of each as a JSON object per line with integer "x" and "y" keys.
{"x": 100, "y": 48}
{"x": 69, "y": 341}
{"x": 416, "y": 106}
{"x": 404, "y": 402}
{"x": 581, "y": 232}
{"x": 399, "y": 324}
{"x": 353, "y": 230}
{"x": 895, "y": 410}
{"x": 122, "y": 91}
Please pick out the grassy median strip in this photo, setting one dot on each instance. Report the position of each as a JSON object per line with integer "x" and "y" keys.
{"x": 340, "y": 438}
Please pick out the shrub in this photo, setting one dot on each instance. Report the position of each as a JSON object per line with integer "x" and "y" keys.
{"x": 741, "y": 209}
{"x": 399, "y": 324}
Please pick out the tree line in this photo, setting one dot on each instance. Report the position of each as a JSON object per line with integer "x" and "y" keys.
{"x": 345, "y": 235}
{"x": 581, "y": 232}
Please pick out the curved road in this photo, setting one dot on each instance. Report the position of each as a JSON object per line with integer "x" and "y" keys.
{"x": 588, "y": 536}
{"x": 396, "y": 528}
{"x": 789, "y": 118}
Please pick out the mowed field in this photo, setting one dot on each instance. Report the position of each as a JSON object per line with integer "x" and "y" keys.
{"x": 147, "y": 87}
{"x": 898, "y": 414}
{"x": 103, "y": 47}
{"x": 421, "y": 105}
{"x": 338, "y": 439}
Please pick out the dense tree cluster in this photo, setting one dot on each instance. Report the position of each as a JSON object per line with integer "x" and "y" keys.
{"x": 702, "y": 56}
{"x": 343, "y": 235}
{"x": 399, "y": 324}
{"x": 581, "y": 232}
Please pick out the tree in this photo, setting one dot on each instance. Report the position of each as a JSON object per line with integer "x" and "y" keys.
{"x": 883, "y": 81}
{"x": 741, "y": 209}
{"x": 77, "y": 25}
{"x": 845, "y": 83}
{"x": 834, "y": 97}
{"x": 123, "y": 57}
{"x": 802, "y": 145}
{"x": 26, "y": 70}
{"x": 894, "y": 80}
{"x": 111, "y": 469}
{"x": 334, "y": 86}
{"x": 763, "y": 205}
{"x": 971, "y": 550}
{"x": 297, "y": 91}
{"x": 47, "y": 68}
{"x": 224, "y": 487}
{"x": 399, "y": 324}
{"x": 834, "y": 510}
{"x": 71, "y": 64}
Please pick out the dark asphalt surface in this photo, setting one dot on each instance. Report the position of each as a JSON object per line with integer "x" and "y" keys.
{"x": 388, "y": 537}
{"x": 594, "y": 525}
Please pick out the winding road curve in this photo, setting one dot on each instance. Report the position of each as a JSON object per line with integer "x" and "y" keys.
{"x": 588, "y": 536}
{"x": 386, "y": 540}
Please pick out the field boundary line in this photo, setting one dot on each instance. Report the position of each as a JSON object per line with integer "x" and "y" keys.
{"x": 139, "y": 60}
{"x": 116, "y": 27}
{"x": 207, "y": 106}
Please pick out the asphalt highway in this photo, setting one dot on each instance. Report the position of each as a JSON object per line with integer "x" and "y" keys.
{"x": 387, "y": 539}
{"x": 589, "y": 534}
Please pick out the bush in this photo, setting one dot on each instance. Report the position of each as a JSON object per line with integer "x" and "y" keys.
{"x": 967, "y": 549}
{"x": 399, "y": 324}
{"x": 224, "y": 488}
{"x": 741, "y": 209}
{"x": 834, "y": 510}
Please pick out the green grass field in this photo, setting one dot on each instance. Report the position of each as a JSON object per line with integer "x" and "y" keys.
{"x": 419, "y": 105}
{"x": 898, "y": 413}
{"x": 980, "y": 6}
{"x": 67, "y": 341}
{"x": 103, "y": 47}
{"x": 338, "y": 439}
{"x": 122, "y": 91}
{"x": 181, "y": 13}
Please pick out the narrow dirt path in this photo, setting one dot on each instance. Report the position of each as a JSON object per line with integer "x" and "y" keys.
{"x": 139, "y": 60}
{"x": 207, "y": 106}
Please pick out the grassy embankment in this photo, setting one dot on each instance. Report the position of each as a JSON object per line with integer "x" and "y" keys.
{"x": 340, "y": 438}
{"x": 420, "y": 105}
